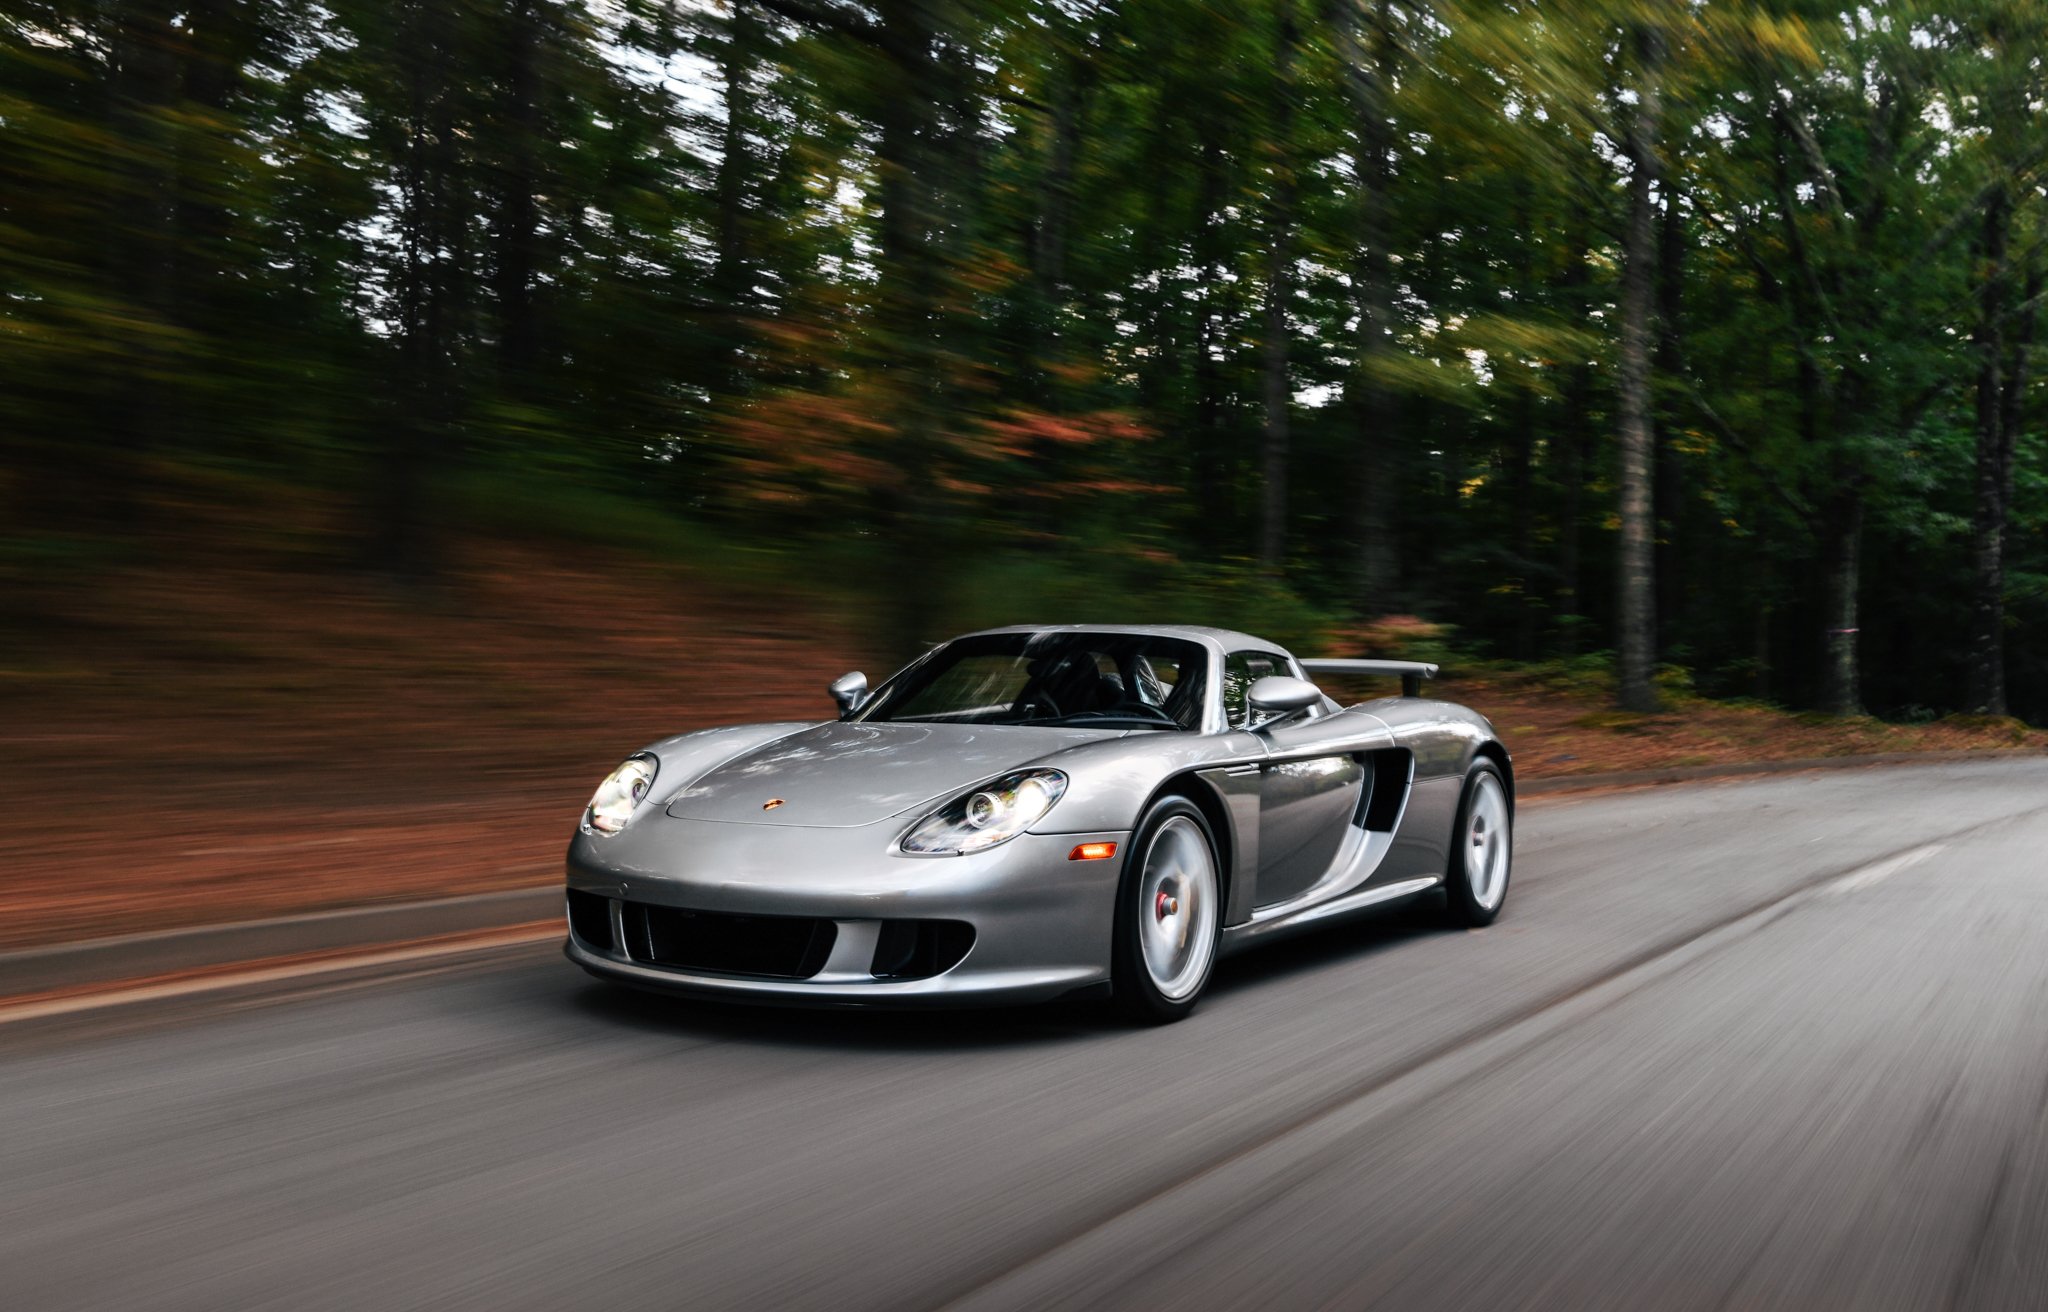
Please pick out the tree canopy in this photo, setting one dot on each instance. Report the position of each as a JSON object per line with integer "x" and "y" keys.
{"x": 1697, "y": 333}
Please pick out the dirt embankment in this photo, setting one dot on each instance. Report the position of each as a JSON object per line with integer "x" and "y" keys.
{"x": 198, "y": 744}
{"x": 212, "y": 745}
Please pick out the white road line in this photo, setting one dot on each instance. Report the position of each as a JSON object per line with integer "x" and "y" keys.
{"x": 1860, "y": 878}
{"x": 180, "y": 988}
{"x": 1877, "y": 870}
{"x": 1262, "y": 1170}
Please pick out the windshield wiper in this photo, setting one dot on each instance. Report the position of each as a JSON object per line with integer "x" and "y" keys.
{"x": 1085, "y": 720}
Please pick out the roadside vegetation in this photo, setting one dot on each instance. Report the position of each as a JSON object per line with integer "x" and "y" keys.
{"x": 244, "y": 730}
{"x": 1698, "y": 334}
{"x": 407, "y": 406}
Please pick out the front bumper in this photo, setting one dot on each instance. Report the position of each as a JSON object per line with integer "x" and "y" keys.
{"x": 955, "y": 988}
{"x": 1041, "y": 923}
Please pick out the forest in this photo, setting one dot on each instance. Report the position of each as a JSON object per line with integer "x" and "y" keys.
{"x": 1695, "y": 337}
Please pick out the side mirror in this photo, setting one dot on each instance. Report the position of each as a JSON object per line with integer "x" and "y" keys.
{"x": 1278, "y": 697}
{"x": 849, "y": 690}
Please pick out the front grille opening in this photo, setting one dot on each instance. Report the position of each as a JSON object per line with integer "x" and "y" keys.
{"x": 919, "y": 949}
{"x": 590, "y": 920}
{"x": 777, "y": 947}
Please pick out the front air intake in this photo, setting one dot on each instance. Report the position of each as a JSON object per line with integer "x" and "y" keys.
{"x": 920, "y": 949}
{"x": 590, "y": 920}
{"x": 713, "y": 943}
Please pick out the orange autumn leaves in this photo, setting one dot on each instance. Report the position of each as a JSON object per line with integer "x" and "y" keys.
{"x": 820, "y": 446}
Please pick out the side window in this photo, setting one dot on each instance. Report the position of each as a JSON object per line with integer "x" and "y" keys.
{"x": 1171, "y": 683}
{"x": 1153, "y": 679}
{"x": 1242, "y": 669}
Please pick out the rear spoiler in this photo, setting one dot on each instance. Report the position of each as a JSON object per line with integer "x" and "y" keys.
{"x": 1411, "y": 673}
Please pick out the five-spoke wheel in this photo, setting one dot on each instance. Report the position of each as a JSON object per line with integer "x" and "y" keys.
{"x": 1482, "y": 847}
{"x": 1169, "y": 907}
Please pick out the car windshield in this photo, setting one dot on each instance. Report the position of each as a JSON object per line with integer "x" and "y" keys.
{"x": 1083, "y": 680}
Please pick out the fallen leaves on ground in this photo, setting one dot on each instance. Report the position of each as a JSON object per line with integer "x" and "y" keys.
{"x": 221, "y": 740}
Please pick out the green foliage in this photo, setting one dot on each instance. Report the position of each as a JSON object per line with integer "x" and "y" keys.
{"x": 1587, "y": 676}
{"x": 954, "y": 314}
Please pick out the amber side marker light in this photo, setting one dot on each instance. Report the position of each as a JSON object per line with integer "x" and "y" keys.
{"x": 1092, "y": 852}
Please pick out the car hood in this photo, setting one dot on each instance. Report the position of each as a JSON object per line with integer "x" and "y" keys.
{"x": 841, "y": 774}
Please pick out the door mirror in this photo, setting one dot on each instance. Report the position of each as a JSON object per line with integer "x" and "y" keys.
{"x": 849, "y": 690}
{"x": 1278, "y": 697}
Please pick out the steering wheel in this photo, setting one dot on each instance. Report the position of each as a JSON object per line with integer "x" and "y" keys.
{"x": 1041, "y": 706}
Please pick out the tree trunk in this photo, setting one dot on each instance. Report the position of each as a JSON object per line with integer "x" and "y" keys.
{"x": 731, "y": 283}
{"x": 518, "y": 211}
{"x": 1573, "y": 430}
{"x": 1278, "y": 395}
{"x": 1986, "y": 681}
{"x": 2019, "y": 371}
{"x": 1834, "y": 405}
{"x": 1521, "y": 456}
{"x": 1999, "y": 406}
{"x": 908, "y": 165}
{"x": 1367, "y": 43}
{"x": 1165, "y": 359}
{"x": 1842, "y": 555}
{"x": 219, "y": 44}
{"x": 1049, "y": 232}
{"x": 1208, "y": 452}
{"x": 1668, "y": 499}
{"x": 135, "y": 395}
{"x": 1522, "y": 481}
{"x": 1636, "y": 618}
{"x": 1760, "y": 653}
{"x": 419, "y": 433}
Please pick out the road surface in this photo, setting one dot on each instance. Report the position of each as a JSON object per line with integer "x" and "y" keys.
{"x": 1778, "y": 1043}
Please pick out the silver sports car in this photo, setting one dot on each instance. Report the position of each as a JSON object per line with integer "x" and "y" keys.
{"x": 1030, "y": 813}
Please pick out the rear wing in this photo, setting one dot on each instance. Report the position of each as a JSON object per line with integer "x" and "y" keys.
{"x": 1411, "y": 673}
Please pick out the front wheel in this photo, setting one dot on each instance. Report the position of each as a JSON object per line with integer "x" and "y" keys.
{"x": 1168, "y": 914}
{"x": 1482, "y": 847}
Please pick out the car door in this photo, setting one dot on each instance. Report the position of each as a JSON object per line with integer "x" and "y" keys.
{"x": 1306, "y": 796}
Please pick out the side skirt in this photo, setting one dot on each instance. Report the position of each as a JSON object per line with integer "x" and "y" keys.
{"x": 1258, "y": 930}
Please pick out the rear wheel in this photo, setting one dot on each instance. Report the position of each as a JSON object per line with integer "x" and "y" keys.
{"x": 1482, "y": 848}
{"x": 1169, "y": 911}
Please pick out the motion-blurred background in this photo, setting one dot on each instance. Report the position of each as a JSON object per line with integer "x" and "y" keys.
{"x": 412, "y": 405}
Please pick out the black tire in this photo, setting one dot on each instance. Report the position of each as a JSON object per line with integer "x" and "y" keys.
{"x": 1486, "y": 792}
{"x": 1137, "y": 994}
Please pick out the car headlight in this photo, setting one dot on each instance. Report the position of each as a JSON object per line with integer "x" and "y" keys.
{"x": 619, "y": 795}
{"x": 994, "y": 813}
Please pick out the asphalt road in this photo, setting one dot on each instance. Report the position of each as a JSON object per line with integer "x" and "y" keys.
{"x": 1781, "y": 1043}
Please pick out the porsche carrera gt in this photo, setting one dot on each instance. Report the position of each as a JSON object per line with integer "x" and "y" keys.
{"x": 1028, "y": 813}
